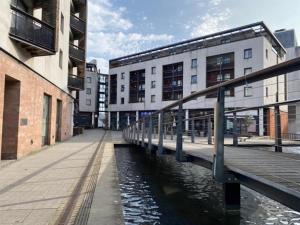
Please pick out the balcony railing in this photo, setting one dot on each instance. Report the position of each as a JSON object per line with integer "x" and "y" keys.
{"x": 77, "y": 53}
{"x": 31, "y": 30}
{"x": 76, "y": 82}
{"x": 77, "y": 24}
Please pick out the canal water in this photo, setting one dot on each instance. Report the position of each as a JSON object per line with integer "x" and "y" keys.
{"x": 159, "y": 190}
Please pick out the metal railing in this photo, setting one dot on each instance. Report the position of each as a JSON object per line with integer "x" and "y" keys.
{"x": 77, "y": 53}
{"x": 28, "y": 28}
{"x": 77, "y": 24}
{"x": 149, "y": 126}
{"x": 75, "y": 82}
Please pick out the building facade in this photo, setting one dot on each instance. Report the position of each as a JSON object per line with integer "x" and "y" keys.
{"x": 103, "y": 101}
{"x": 147, "y": 81}
{"x": 289, "y": 41}
{"x": 41, "y": 43}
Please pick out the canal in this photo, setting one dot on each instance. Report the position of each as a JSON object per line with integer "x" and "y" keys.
{"x": 159, "y": 190}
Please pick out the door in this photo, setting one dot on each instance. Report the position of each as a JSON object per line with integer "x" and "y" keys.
{"x": 46, "y": 120}
{"x": 58, "y": 120}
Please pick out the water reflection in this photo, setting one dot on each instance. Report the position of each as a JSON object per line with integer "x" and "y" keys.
{"x": 159, "y": 190}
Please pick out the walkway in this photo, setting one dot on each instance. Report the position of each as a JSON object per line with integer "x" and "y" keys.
{"x": 35, "y": 190}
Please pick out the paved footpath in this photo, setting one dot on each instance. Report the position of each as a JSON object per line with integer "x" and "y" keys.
{"x": 35, "y": 190}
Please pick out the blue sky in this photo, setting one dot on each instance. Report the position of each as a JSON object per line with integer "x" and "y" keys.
{"x": 120, "y": 27}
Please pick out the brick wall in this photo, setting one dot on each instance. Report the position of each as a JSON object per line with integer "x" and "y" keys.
{"x": 33, "y": 87}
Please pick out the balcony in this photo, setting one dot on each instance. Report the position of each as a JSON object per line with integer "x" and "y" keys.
{"x": 75, "y": 83}
{"x": 34, "y": 35}
{"x": 77, "y": 24}
{"x": 77, "y": 53}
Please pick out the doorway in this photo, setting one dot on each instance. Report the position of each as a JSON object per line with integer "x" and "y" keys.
{"x": 10, "y": 126}
{"x": 58, "y": 120}
{"x": 46, "y": 120}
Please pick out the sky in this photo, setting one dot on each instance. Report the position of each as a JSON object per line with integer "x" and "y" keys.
{"x": 120, "y": 27}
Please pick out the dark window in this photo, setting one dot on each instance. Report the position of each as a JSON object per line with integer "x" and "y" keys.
{"x": 113, "y": 89}
{"x": 88, "y": 102}
{"x": 152, "y": 98}
{"x": 122, "y": 101}
{"x": 248, "y": 53}
{"x": 292, "y": 112}
{"x": 194, "y": 63}
{"x": 137, "y": 86}
{"x": 267, "y": 92}
{"x": 247, "y": 71}
{"x": 267, "y": 53}
{"x": 62, "y": 23}
{"x": 248, "y": 91}
{"x": 153, "y": 70}
{"x": 122, "y": 88}
{"x": 88, "y": 91}
{"x": 172, "y": 81}
{"x": 194, "y": 79}
{"x": 153, "y": 84}
{"x": 60, "y": 59}
{"x": 122, "y": 76}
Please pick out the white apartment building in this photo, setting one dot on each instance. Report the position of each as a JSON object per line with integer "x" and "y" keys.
{"x": 147, "y": 81}
{"x": 289, "y": 41}
{"x": 42, "y": 65}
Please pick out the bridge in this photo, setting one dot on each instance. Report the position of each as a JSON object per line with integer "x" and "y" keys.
{"x": 265, "y": 164}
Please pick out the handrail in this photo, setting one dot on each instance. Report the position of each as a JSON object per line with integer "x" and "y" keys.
{"x": 282, "y": 68}
{"x": 76, "y": 17}
{"x": 77, "y": 47}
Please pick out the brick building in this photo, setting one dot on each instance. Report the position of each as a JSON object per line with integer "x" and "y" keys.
{"x": 42, "y": 66}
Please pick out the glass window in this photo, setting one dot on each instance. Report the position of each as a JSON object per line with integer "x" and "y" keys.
{"x": 153, "y": 84}
{"x": 227, "y": 93}
{"x": 88, "y": 91}
{"x": 227, "y": 76}
{"x": 248, "y": 53}
{"x": 179, "y": 83}
{"x": 60, "y": 59}
{"x": 267, "y": 92}
{"x": 247, "y": 71}
{"x": 194, "y": 79}
{"x": 88, "y": 102}
{"x": 219, "y": 77}
{"x": 62, "y": 23}
{"x": 194, "y": 63}
{"x": 248, "y": 91}
{"x": 89, "y": 80}
{"x": 267, "y": 53}
{"x": 122, "y": 76}
{"x": 152, "y": 98}
{"x": 153, "y": 70}
{"x": 122, "y": 88}
{"x": 122, "y": 101}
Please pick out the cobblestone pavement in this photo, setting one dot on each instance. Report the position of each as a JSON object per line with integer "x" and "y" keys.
{"x": 34, "y": 190}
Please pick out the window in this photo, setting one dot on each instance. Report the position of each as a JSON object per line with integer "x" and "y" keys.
{"x": 142, "y": 87}
{"x": 248, "y": 91}
{"x": 219, "y": 77}
{"x": 247, "y": 71}
{"x": 122, "y": 101}
{"x": 292, "y": 112}
{"x": 194, "y": 63}
{"x": 88, "y": 102}
{"x": 153, "y": 83}
{"x": 153, "y": 70}
{"x": 227, "y": 76}
{"x": 179, "y": 83}
{"x": 194, "y": 79}
{"x": 267, "y": 53}
{"x": 152, "y": 98}
{"x": 226, "y": 60}
{"x": 60, "y": 59}
{"x": 122, "y": 88}
{"x": 180, "y": 68}
{"x": 62, "y": 23}
{"x": 267, "y": 92}
{"x": 122, "y": 76}
{"x": 89, "y": 80}
{"x": 248, "y": 53}
{"x": 88, "y": 91}
{"x": 228, "y": 93}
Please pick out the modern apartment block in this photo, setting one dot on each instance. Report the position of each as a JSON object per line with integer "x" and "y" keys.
{"x": 149, "y": 80}
{"x": 41, "y": 43}
{"x": 289, "y": 41}
{"x": 93, "y": 100}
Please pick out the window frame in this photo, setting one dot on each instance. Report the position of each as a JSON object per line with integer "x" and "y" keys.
{"x": 194, "y": 65}
{"x": 194, "y": 81}
{"x": 248, "y": 56}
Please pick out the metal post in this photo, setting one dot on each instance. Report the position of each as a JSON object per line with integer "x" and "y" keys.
{"x": 218, "y": 157}
{"x": 179, "y": 153}
{"x": 150, "y": 134}
{"x": 209, "y": 131}
{"x": 278, "y": 138}
{"x": 235, "y": 134}
{"x": 143, "y": 132}
{"x": 160, "y": 133}
{"x": 134, "y": 132}
{"x": 138, "y": 133}
{"x": 193, "y": 131}
{"x": 165, "y": 132}
{"x": 172, "y": 132}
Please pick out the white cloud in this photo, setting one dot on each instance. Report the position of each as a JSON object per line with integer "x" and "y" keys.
{"x": 211, "y": 23}
{"x": 102, "y": 64}
{"x": 215, "y": 2}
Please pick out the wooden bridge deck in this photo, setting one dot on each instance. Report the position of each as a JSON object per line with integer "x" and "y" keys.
{"x": 276, "y": 175}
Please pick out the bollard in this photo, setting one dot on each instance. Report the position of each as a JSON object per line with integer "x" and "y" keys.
{"x": 235, "y": 134}
{"x": 193, "y": 131}
{"x": 179, "y": 152}
{"x": 150, "y": 134}
{"x": 160, "y": 133}
{"x": 278, "y": 138}
{"x": 218, "y": 157}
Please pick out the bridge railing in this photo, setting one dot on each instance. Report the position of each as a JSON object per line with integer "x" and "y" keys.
{"x": 229, "y": 120}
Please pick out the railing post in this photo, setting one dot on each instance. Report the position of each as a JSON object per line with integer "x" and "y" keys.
{"x": 179, "y": 152}
{"x": 193, "y": 131}
{"x": 278, "y": 137}
{"x": 160, "y": 133}
{"x": 209, "y": 131}
{"x": 143, "y": 132}
{"x": 218, "y": 157}
{"x": 133, "y": 132}
{"x": 165, "y": 132}
{"x": 138, "y": 133}
{"x": 150, "y": 134}
{"x": 235, "y": 134}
